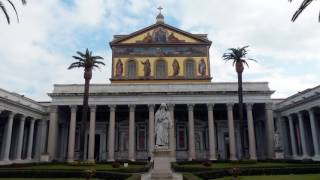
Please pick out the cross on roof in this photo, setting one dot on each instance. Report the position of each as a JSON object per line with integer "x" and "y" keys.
{"x": 160, "y": 8}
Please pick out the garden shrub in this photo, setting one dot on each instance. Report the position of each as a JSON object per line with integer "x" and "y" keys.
{"x": 189, "y": 176}
{"x": 61, "y": 174}
{"x": 207, "y": 163}
{"x": 134, "y": 177}
{"x": 115, "y": 164}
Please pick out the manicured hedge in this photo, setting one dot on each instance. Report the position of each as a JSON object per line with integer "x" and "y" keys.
{"x": 259, "y": 171}
{"x": 60, "y": 174}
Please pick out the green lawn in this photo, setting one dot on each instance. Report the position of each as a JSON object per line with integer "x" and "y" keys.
{"x": 278, "y": 177}
{"x": 43, "y": 179}
{"x": 231, "y": 165}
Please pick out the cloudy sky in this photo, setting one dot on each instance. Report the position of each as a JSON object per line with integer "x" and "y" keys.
{"x": 36, "y": 52}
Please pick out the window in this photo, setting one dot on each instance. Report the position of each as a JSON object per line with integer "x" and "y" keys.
{"x": 181, "y": 143}
{"x": 132, "y": 68}
{"x": 190, "y": 69}
{"x": 161, "y": 71}
{"x": 141, "y": 139}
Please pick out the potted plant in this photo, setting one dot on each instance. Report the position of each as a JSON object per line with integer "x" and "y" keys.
{"x": 234, "y": 172}
{"x": 115, "y": 164}
{"x": 89, "y": 173}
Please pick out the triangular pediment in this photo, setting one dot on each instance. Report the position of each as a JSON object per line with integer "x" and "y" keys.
{"x": 160, "y": 33}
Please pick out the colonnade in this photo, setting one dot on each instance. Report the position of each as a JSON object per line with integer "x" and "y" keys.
{"x": 151, "y": 108}
{"x": 7, "y": 140}
{"x": 301, "y": 135}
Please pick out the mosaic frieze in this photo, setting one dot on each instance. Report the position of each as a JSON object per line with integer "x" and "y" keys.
{"x": 159, "y": 51}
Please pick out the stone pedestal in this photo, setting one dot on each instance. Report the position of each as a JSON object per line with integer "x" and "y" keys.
{"x": 161, "y": 166}
{"x": 279, "y": 155}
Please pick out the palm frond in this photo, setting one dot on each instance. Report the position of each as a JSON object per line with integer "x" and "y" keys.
{"x": 302, "y": 7}
{"x": 77, "y": 57}
{"x": 14, "y": 8}
{"x": 97, "y": 57}
{"x": 4, "y": 10}
{"x": 86, "y": 60}
{"x": 237, "y": 55}
{"x": 75, "y": 65}
{"x": 245, "y": 62}
{"x": 81, "y": 54}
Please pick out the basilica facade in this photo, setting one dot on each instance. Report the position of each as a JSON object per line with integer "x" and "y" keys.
{"x": 157, "y": 64}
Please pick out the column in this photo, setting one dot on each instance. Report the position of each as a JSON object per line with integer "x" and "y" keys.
{"x": 92, "y": 133}
{"x": 132, "y": 144}
{"x": 315, "y": 136}
{"x": 20, "y": 137}
{"x": 212, "y": 134}
{"x": 8, "y": 137}
{"x": 30, "y": 141}
{"x": 292, "y": 137}
{"x": 172, "y": 133}
{"x": 151, "y": 129}
{"x": 252, "y": 138}
{"x": 192, "y": 150}
{"x": 72, "y": 133}
{"x": 111, "y": 132}
{"x": 269, "y": 130}
{"x": 303, "y": 136}
{"x": 232, "y": 142}
{"x": 53, "y": 129}
{"x": 43, "y": 133}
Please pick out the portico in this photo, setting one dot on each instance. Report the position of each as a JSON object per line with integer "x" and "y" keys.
{"x": 198, "y": 110}
{"x": 22, "y": 129}
{"x": 298, "y": 122}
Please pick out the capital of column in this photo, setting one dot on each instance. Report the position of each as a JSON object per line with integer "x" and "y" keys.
{"x": 171, "y": 107}
{"x": 299, "y": 114}
{"x": 229, "y": 106}
{"x": 151, "y": 107}
{"x": 132, "y": 107}
{"x": 93, "y": 108}
{"x": 268, "y": 106}
{"x": 73, "y": 108}
{"x": 42, "y": 122}
{"x": 290, "y": 118}
{"x": 112, "y": 107}
{"x": 11, "y": 114}
{"x": 32, "y": 120}
{"x": 210, "y": 106}
{"x": 249, "y": 106}
{"x": 53, "y": 109}
{"x": 310, "y": 110}
{"x": 190, "y": 107}
{"x": 23, "y": 117}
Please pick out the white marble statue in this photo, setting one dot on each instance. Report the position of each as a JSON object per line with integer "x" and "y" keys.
{"x": 276, "y": 139}
{"x": 163, "y": 123}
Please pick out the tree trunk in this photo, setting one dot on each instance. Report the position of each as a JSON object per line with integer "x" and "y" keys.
{"x": 84, "y": 118}
{"x": 241, "y": 121}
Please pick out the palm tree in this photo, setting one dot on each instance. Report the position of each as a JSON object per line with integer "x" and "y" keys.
{"x": 4, "y": 10}
{"x": 88, "y": 62}
{"x": 302, "y": 7}
{"x": 238, "y": 56}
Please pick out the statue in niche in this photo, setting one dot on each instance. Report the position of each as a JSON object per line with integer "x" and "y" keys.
{"x": 160, "y": 36}
{"x": 202, "y": 67}
{"x": 176, "y": 68}
{"x": 146, "y": 68}
{"x": 163, "y": 123}
{"x": 276, "y": 140}
{"x": 147, "y": 39}
{"x": 119, "y": 68}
